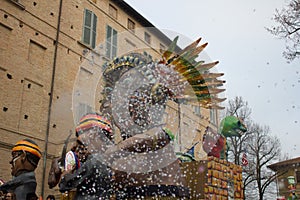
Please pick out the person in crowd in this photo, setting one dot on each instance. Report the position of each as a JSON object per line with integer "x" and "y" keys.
{"x": 93, "y": 179}
{"x": 32, "y": 196}
{"x": 2, "y": 195}
{"x": 25, "y": 158}
{"x": 50, "y": 197}
{"x": 74, "y": 159}
{"x": 10, "y": 196}
{"x": 81, "y": 152}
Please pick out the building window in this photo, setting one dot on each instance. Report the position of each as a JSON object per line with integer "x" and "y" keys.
{"x": 162, "y": 48}
{"x": 111, "y": 42}
{"x": 112, "y": 11}
{"x": 147, "y": 37}
{"x": 213, "y": 117}
{"x": 147, "y": 55}
{"x": 89, "y": 28}
{"x": 131, "y": 25}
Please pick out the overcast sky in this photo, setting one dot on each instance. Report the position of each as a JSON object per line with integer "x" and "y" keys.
{"x": 250, "y": 57}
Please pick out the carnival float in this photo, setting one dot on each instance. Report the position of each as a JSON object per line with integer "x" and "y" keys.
{"x": 136, "y": 92}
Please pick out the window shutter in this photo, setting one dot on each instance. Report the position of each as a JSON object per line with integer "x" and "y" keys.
{"x": 108, "y": 45}
{"x": 94, "y": 31}
{"x": 111, "y": 42}
{"x": 114, "y": 44}
{"x": 89, "y": 28}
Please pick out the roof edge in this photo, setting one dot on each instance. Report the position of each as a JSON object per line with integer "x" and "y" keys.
{"x": 144, "y": 22}
{"x": 284, "y": 163}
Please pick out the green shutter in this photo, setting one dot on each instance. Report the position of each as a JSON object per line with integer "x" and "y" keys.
{"x": 111, "y": 42}
{"x": 94, "y": 31}
{"x": 108, "y": 33}
{"x": 114, "y": 43}
{"x": 89, "y": 28}
{"x": 88, "y": 18}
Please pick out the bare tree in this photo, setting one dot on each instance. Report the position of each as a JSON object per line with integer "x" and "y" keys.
{"x": 263, "y": 149}
{"x": 249, "y": 170}
{"x": 288, "y": 28}
{"x": 239, "y": 108}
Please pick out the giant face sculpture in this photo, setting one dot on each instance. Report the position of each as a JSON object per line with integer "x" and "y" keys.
{"x": 136, "y": 92}
{"x": 137, "y": 88}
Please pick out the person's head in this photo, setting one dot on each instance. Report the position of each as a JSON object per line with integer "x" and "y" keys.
{"x": 9, "y": 196}
{"x": 94, "y": 132}
{"x": 31, "y": 196}
{"x": 81, "y": 151}
{"x": 50, "y": 197}
{"x": 25, "y": 156}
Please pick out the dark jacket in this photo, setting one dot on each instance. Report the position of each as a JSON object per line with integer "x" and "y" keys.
{"x": 92, "y": 180}
{"x": 22, "y": 185}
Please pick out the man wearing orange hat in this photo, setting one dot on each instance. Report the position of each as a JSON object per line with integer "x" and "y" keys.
{"x": 93, "y": 179}
{"x": 25, "y": 158}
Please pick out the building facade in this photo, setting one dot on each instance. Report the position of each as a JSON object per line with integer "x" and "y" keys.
{"x": 51, "y": 60}
{"x": 287, "y": 177}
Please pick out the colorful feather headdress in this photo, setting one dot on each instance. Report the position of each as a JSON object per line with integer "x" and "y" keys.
{"x": 204, "y": 84}
{"x": 176, "y": 76}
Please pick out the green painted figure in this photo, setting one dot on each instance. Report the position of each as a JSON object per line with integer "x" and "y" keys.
{"x": 214, "y": 143}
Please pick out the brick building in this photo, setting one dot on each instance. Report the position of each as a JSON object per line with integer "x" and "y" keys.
{"x": 52, "y": 52}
